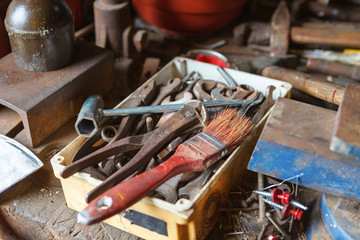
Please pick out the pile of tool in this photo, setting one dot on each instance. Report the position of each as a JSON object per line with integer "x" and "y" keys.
{"x": 146, "y": 131}
{"x": 324, "y": 46}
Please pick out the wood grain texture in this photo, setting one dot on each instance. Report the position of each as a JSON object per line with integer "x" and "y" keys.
{"x": 335, "y": 37}
{"x": 305, "y": 82}
{"x": 346, "y": 138}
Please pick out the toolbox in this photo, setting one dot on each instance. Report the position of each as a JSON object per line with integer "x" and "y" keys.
{"x": 153, "y": 218}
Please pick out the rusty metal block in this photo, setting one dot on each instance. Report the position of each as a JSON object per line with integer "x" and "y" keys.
{"x": 47, "y": 100}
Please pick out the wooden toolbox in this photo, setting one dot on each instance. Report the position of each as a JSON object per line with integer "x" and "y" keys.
{"x": 153, "y": 218}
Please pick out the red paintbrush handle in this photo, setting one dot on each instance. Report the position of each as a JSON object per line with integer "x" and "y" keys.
{"x": 125, "y": 194}
{"x": 195, "y": 154}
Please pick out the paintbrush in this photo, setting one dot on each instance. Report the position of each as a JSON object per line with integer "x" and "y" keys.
{"x": 220, "y": 137}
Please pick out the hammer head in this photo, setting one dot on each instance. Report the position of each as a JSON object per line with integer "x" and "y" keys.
{"x": 256, "y": 65}
{"x": 90, "y": 116}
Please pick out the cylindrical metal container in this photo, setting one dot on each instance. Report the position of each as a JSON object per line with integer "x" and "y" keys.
{"x": 41, "y": 34}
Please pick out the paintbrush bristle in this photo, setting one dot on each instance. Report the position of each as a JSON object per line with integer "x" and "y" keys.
{"x": 229, "y": 128}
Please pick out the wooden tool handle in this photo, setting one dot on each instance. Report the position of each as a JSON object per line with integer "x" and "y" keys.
{"x": 125, "y": 194}
{"x": 336, "y": 37}
{"x": 305, "y": 82}
{"x": 334, "y": 68}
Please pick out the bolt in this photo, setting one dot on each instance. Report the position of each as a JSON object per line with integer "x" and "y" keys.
{"x": 286, "y": 209}
{"x": 276, "y": 225}
{"x": 277, "y": 197}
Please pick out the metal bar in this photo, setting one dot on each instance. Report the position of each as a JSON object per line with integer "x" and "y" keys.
{"x": 167, "y": 108}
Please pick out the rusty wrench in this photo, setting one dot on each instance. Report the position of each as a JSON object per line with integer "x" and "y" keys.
{"x": 169, "y": 87}
{"x": 203, "y": 87}
{"x": 179, "y": 122}
{"x": 240, "y": 92}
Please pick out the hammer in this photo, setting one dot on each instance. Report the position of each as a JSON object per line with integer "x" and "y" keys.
{"x": 342, "y": 35}
{"x": 91, "y": 113}
{"x": 307, "y": 83}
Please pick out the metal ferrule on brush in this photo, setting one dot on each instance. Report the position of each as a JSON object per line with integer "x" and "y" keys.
{"x": 208, "y": 147}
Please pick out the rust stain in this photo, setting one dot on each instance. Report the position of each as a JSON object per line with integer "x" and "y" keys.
{"x": 333, "y": 97}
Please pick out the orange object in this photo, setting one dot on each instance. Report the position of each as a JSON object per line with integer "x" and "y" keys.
{"x": 189, "y": 17}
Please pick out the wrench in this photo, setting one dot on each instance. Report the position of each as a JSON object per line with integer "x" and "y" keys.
{"x": 189, "y": 82}
{"x": 240, "y": 92}
{"x": 255, "y": 98}
{"x": 186, "y": 97}
{"x": 178, "y": 123}
{"x": 203, "y": 87}
{"x": 171, "y": 86}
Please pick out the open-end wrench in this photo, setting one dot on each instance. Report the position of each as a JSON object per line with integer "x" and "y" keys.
{"x": 186, "y": 97}
{"x": 169, "y": 87}
{"x": 177, "y": 124}
{"x": 240, "y": 92}
{"x": 203, "y": 87}
{"x": 255, "y": 98}
{"x": 188, "y": 83}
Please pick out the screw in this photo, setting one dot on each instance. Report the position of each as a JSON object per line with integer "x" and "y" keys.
{"x": 286, "y": 209}
{"x": 285, "y": 198}
{"x": 276, "y": 225}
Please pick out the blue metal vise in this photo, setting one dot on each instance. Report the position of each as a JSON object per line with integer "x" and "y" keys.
{"x": 296, "y": 140}
{"x": 334, "y": 218}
